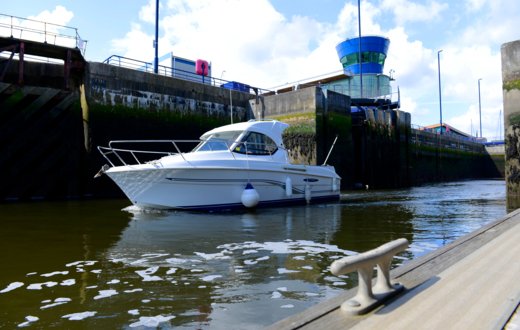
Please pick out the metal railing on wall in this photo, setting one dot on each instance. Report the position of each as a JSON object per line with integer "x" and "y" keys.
{"x": 33, "y": 30}
{"x": 163, "y": 70}
{"x": 430, "y": 137}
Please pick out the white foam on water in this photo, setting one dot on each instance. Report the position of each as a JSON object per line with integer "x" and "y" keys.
{"x": 262, "y": 258}
{"x": 145, "y": 274}
{"x": 201, "y": 286}
{"x": 31, "y": 274}
{"x": 65, "y": 272}
{"x": 53, "y": 304}
{"x": 331, "y": 278}
{"x": 196, "y": 270}
{"x": 177, "y": 260}
{"x": 12, "y": 286}
{"x": 286, "y": 247}
{"x": 171, "y": 271}
{"x": 311, "y": 294}
{"x": 213, "y": 256}
{"x": 339, "y": 283}
{"x": 91, "y": 287}
{"x": 287, "y": 306}
{"x": 82, "y": 263}
{"x": 250, "y": 262}
{"x": 96, "y": 271}
{"x": 29, "y": 319}
{"x": 155, "y": 255}
{"x": 133, "y": 290}
{"x": 133, "y": 312}
{"x": 39, "y": 286}
{"x": 68, "y": 282}
{"x": 145, "y": 301}
{"x": 307, "y": 267}
{"x": 286, "y": 271}
{"x": 78, "y": 316}
{"x": 105, "y": 294}
{"x": 276, "y": 295}
{"x": 114, "y": 281}
{"x": 151, "y": 321}
{"x": 210, "y": 278}
{"x": 249, "y": 251}
{"x": 282, "y": 288}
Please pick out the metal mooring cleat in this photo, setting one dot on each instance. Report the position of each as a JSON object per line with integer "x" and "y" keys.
{"x": 367, "y": 298}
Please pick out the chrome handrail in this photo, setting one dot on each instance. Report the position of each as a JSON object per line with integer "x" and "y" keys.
{"x": 105, "y": 151}
{"x": 111, "y": 149}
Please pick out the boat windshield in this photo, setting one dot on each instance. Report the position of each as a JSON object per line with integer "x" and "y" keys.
{"x": 218, "y": 141}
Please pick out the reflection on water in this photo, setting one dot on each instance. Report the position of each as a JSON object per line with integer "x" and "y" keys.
{"x": 89, "y": 264}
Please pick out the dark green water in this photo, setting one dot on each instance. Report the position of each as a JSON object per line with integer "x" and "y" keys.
{"x": 92, "y": 265}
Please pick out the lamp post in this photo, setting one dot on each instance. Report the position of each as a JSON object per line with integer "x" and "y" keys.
{"x": 156, "y": 41}
{"x": 440, "y": 96}
{"x": 479, "y": 108}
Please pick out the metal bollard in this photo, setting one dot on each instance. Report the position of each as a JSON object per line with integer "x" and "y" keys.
{"x": 367, "y": 298}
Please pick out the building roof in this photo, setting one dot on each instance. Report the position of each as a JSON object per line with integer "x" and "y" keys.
{"x": 448, "y": 128}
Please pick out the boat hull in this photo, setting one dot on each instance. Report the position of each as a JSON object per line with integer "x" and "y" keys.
{"x": 198, "y": 188}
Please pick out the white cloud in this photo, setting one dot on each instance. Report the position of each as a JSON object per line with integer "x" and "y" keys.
{"x": 256, "y": 44}
{"x": 411, "y": 11}
{"x": 59, "y": 15}
{"x": 147, "y": 12}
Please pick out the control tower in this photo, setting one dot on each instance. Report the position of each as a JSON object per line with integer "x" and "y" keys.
{"x": 376, "y": 84}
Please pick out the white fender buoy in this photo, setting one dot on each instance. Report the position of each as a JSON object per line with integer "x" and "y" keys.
{"x": 288, "y": 187}
{"x": 307, "y": 193}
{"x": 250, "y": 197}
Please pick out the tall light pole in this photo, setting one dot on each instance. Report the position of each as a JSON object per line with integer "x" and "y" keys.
{"x": 359, "y": 50}
{"x": 156, "y": 41}
{"x": 479, "y": 108}
{"x": 440, "y": 96}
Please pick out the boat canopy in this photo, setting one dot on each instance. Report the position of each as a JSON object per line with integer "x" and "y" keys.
{"x": 272, "y": 128}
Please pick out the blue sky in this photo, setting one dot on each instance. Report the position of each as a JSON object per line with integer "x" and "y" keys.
{"x": 268, "y": 43}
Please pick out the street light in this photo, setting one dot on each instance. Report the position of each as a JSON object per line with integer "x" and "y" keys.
{"x": 156, "y": 41}
{"x": 479, "y": 108}
{"x": 440, "y": 97}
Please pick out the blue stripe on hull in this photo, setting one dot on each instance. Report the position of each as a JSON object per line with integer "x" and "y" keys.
{"x": 273, "y": 203}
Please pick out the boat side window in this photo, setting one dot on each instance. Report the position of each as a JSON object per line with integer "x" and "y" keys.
{"x": 255, "y": 143}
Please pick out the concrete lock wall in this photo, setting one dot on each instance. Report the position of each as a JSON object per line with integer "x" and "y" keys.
{"x": 117, "y": 86}
{"x": 511, "y": 92}
{"x": 54, "y": 127}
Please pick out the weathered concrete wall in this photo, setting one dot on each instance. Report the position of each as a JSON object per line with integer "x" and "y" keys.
{"x": 381, "y": 144}
{"x": 316, "y": 118}
{"x": 287, "y": 106}
{"x": 117, "y": 86}
{"x": 511, "y": 92}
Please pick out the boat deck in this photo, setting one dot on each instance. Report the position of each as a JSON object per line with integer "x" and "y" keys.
{"x": 472, "y": 283}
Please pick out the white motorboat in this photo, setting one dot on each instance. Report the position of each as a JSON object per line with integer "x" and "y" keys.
{"x": 233, "y": 166}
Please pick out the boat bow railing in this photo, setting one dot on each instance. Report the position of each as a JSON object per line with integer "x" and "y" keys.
{"x": 140, "y": 156}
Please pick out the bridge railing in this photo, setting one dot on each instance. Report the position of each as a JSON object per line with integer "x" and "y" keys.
{"x": 28, "y": 29}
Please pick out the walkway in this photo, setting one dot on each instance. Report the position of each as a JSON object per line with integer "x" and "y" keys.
{"x": 472, "y": 283}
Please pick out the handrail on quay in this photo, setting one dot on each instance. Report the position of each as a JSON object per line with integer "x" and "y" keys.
{"x": 367, "y": 298}
{"x": 29, "y": 29}
{"x": 134, "y": 64}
